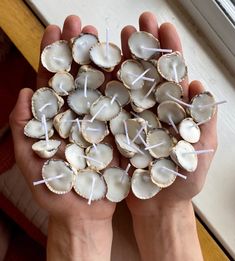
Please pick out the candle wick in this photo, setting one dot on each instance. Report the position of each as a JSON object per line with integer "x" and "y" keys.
{"x": 179, "y": 101}
{"x": 144, "y": 78}
{"x": 125, "y": 173}
{"x": 44, "y": 106}
{"x": 150, "y": 90}
{"x": 138, "y": 133}
{"x": 126, "y": 132}
{"x": 98, "y": 112}
{"x": 154, "y": 146}
{"x": 92, "y": 191}
{"x": 197, "y": 152}
{"x": 140, "y": 76}
{"x": 114, "y": 98}
{"x": 174, "y": 172}
{"x": 156, "y": 49}
{"x": 85, "y": 86}
{"x": 172, "y": 123}
{"x": 44, "y": 124}
{"x": 107, "y": 43}
{"x": 62, "y": 89}
{"x": 210, "y": 105}
{"x": 92, "y": 159}
{"x": 35, "y": 183}
{"x": 175, "y": 73}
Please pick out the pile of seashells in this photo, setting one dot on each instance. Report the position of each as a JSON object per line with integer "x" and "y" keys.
{"x": 148, "y": 85}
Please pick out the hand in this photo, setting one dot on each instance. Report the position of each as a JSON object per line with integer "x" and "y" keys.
{"x": 70, "y": 212}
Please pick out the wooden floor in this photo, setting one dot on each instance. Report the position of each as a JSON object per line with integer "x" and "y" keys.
{"x": 25, "y": 31}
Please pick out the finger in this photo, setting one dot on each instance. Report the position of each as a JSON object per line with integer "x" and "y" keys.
{"x": 52, "y": 33}
{"x": 89, "y": 29}
{"x": 148, "y": 23}
{"x": 127, "y": 31}
{"x": 71, "y": 27}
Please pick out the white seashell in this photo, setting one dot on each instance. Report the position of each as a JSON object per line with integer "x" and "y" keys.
{"x": 57, "y": 57}
{"x": 81, "y": 46}
{"x": 104, "y": 109}
{"x": 151, "y": 119}
{"x": 46, "y": 102}
{"x": 118, "y": 90}
{"x": 77, "y": 137}
{"x": 83, "y": 185}
{"x": 170, "y": 110}
{"x": 98, "y": 56}
{"x": 142, "y": 185}
{"x": 62, "y": 83}
{"x": 130, "y": 70}
{"x": 72, "y": 155}
{"x": 141, "y": 161}
{"x": 200, "y": 114}
{"x": 142, "y": 39}
{"x": 187, "y": 162}
{"x": 160, "y": 176}
{"x": 52, "y": 168}
{"x": 189, "y": 130}
{"x": 63, "y": 123}
{"x": 118, "y": 184}
{"x": 81, "y": 104}
{"x": 95, "y": 78}
{"x": 162, "y": 139}
{"x": 34, "y": 129}
{"x": 94, "y": 132}
{"x": 100, "y": 156}
{"x": 116, "y": 124}
{"x": 171, "y": 88}
{"x": 172, "y": 67}
{"x": 46, "y": 149}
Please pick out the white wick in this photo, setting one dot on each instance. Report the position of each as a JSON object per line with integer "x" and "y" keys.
{"x": 144, "y": 78}
{"x": 88, "y": 104}
{"x": 138, "y": 133}
{"x": 62, "y": 89}
{"x": 179, "y": 101}
{"x": 174, "y": 172}
{"x": 107, "y": 43}
{"x": 139, "y": 150}
{"x": 154, "y": 146}
{"x": 143, "y": 141}
{"x": 95, "y": 147}
{"x": 92, "y": 191}
{"x": 150, "y": 90}
{"x": 44, "y": 106}
{"x": 201, "y": 122}
{"x": 198, "y": 152}
{"x": 99, "y": 111}
{"x": 172, "y": 123}
{"x": 44, "y": 123}
{"x": 92, "y": 159}
{"x": 114, "y": 98}
{"x": 78, "y": 124}
{"x": 125, "y": 172}
{"x": 175, "y": 73}
{"x": 156, "y": 49}
{"x": 140, "y": 76}
{"x": 92, "y": 129}
{"x": 211, "y": 104}
{"x": 35, "y": 183}
{"x": 85, "y": 86}
{"x": 126, "y": 131}
{"x": 57, "y": 59}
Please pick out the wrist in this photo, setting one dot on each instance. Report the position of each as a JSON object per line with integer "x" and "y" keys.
{"x": 79, "y": 240}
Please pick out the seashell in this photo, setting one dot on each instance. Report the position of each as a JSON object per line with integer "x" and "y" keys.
{"x": 141, "y": 161}
{"x": 118, "y": 90}
{"x": 95, "y": 78}
{"x": 95, "y": 131}
{"x": 160, "y": 176}
{"x": 172, "y": 67}
{"x": 81, "y": 104}
{"x": 116, "y": 124}
{"x": 168, "y": 88}
{"x": 72, "y": 155}
{"x": 81, "y": 46}
{"x": 189, "y": 130}
{"x": 46, "y": 149}
{"x": 63, "y": 123}
{"x": 34, "y": 129}
{"x": 142, "y": 185}
{"x": 98, "y": 56}
{"x": 198, "y": 113}
{"x": 46, "y": 102}
{"x": 102, "y": 155}
{"x": 170, "y": 110}
{"x": 151, "y": 119}
{"x": 118, "y": 184}
{"x": 57, "y": 57}
{"x": 52, "y": 168}
{"x": 187, "y": 162}
{"x": 62, "y": 83}
{"x": 127, "y": 150}
{"x": 105, "y": 109}
{"x": 163, "y": 141}
{"x": 142, "y": 39}
{"x": 134, "y": 126}
{"x": 85, "y": 180}
{"x": 140, "y": 100}
{"x": 77, "y": 137}
{"x": 130, "y": 70}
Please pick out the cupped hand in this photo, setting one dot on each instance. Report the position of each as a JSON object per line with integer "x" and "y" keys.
{"x": 69, "y": 206}
{"x": 182, "y": 190}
